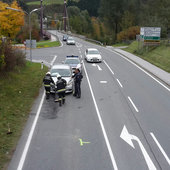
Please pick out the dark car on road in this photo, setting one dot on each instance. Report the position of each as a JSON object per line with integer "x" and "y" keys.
{"x": 65, "y": 37}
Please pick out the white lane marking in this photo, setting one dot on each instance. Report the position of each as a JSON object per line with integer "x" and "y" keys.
{"x": 96, "y": 65}
{"x": 133, "y": 104}
{"x": 52, "y": 62}
{"x": 127, "y": 137}
{"x": 99, "y": 68}
{"x": 61, "y": 43}
{"x": 24, "y": 154}
{"x": 104, "y": 82}
{"x": 142, "y": 70}
{"x": 80, "y": 52}
{"x": 119, "y": 83}
{"x": 78, "y": 44}
{"x": 81, "y": 56}
{"x": 101, "y": 123}
{"x": 108, "y": 67}
{"x": 160, "y": 147}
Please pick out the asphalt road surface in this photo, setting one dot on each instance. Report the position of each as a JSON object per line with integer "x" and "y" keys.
{"x": 121, "y": 121}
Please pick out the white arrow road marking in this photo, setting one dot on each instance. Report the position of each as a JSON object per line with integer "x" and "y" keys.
{"x": 99, "y": 68}
{"x": 133, "y": 104}
{"x": 160, "y": 147}
{"x": 78, "y": 44}
{"x": 104, "y": 82}
{"x": 96, "y": 65}
{"x": 127, "y": 137}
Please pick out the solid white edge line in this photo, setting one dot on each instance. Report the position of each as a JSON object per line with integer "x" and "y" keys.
{"x": 160, "y": 147}
{"x": 119, "y": 83}
{"x": 141, "y": 69}
{"x": 133, "y": 104}
{"x": 101, "y": 123}
{"x": 24, "y": 154}
{"x": 108, "y": 67}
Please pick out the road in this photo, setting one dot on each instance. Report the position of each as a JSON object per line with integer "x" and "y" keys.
{"x": 120, "y": 122}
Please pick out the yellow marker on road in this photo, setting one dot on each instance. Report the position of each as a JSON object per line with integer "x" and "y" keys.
{"x": 82, "y": 143}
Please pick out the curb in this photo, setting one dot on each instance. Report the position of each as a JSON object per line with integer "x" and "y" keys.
{"x": 144, "y": 68}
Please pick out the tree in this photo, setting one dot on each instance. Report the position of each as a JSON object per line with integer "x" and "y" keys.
{"x": 80, "y": 21}
{"x": 127, "y": 20}
{"x": 10, "y": 26}
{"x": 111, "y": 11}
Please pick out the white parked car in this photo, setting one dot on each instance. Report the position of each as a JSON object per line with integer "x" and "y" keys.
{"x": 93, "y": 55}
{"x": 70, "y": 41}
{"x": 66, "y": 73}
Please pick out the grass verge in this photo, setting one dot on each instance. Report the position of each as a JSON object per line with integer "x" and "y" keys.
{"x": 44, "y": 44}
{"x": 46, "y": 2}
{"x": 159, "y": 55}
{"x": 120, "y": 44}
{"x": 18, "y": 91}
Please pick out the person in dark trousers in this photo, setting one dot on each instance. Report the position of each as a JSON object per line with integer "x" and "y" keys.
{"x": 61, "y": 88}
{"x": 77, "y": 83}
{"x": 47, "y": 84}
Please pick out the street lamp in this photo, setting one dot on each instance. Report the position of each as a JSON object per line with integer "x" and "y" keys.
{"x": 29, "y": 15}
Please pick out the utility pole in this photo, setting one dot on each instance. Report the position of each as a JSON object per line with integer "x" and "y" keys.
{"x": 41, "y": 20}
{"x": 65, "y": 17}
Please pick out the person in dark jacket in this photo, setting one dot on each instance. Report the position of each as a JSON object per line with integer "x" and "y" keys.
{"x": 77, "y": 83}
{"x": 61, "y": 88}
{"x": 47, "y": 84}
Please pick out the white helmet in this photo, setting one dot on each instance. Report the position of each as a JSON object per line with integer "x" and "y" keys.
{"x": 58, "y": 76}
{"x": 48, "y": 73}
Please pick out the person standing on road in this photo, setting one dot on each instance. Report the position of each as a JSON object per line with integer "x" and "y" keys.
{"x": 61, "y": 88}
{"x": 77, "y": 83}
{"x": 47, "y": 84}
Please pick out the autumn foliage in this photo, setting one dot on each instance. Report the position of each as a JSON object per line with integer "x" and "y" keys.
{"x": 10, "y": 20}
{"x": 128, "y": 34}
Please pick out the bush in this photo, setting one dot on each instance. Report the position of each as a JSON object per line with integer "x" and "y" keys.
{"x": 2, "y": 62}
{"x": 10, "y": 57}
{"x": 2, "y": 57}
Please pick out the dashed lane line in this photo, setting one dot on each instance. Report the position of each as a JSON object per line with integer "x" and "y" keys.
{"x": 141, "y": 70}
{"x": 160, "y": 147}
{"x": 119, "y": 83}
{"x": 108, "y": 67}
{"x": 133, "y": 104}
